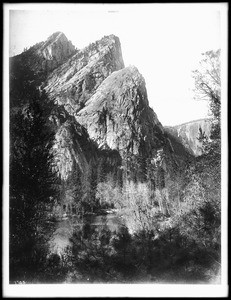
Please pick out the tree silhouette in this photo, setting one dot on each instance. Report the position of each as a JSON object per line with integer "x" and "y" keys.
{"x": 32, "y": 182}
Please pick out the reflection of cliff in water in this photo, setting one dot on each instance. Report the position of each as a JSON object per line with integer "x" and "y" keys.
{"x": 65, "y": 228}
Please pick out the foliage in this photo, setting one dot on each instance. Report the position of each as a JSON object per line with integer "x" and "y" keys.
{"x": 208, "y": 82}
{"x": 32, "y": 183}
{"x": 108, "y": 193}
{"x": 208, "y": 87}
{"x": 166, "y": 255}
{"x": 137, "y": 206}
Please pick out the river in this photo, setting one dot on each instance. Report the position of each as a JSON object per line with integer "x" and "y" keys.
{"x": 64, "y": 228}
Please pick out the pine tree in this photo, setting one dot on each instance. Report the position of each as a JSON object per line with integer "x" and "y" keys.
{"x": 32, "y": 182}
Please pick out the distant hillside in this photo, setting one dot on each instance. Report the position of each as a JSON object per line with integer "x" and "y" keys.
{"x": 187, "y": 134}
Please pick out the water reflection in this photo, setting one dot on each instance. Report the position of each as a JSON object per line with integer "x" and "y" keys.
{"x": 65, "y": 228}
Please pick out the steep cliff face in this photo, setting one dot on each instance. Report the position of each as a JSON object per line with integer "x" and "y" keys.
{"x": 118, "y": 115}
{"x": 188, "y": 133}
{"x": 69, "y": 148}
{"x": 75, "y": 81}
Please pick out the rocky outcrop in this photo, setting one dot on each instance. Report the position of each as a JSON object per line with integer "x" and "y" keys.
{"x": 44, "y": 57}
{"x": 75, "y": 81}
{"x": 55, "y": 51}
{"x": 188, "y": 133}
{"x": 67, "y": 149}
{"x": 118, "y": 115}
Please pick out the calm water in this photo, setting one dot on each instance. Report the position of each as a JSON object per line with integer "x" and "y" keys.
{"x": 65, "y": 228}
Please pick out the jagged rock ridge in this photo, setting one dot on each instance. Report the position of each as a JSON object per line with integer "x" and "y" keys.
{"x": 75, "y": 81}
{"x": 55, "y": 50}
{"x": 46, "y": 56}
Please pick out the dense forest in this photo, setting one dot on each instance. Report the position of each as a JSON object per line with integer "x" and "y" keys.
{"x": 172, "y": 231}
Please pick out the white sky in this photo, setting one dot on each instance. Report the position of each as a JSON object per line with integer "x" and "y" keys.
{"x": 163, "y": 41}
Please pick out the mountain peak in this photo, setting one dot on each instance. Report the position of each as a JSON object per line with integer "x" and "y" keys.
{"x": 54, "y": 38}
{"x": 55, "y": 35}
{"x": 75, "y": 81}
{"x": 51, "y": 53}
{"x": 57, "y": 46}
{"x": 110, "y": 37}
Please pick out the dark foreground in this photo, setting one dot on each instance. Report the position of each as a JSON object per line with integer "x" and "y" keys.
{"x": 102, "y": 250}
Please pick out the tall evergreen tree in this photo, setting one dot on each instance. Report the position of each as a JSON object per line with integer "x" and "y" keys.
{"x": 32, "y": 182}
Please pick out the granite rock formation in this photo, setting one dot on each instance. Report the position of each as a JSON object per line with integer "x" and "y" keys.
{"x": 75, "y": 81}
{"x": 118, "y": 115}
{"x": 44, "y": 57}
{"x": 188, "y": 133}
{"x": 70, "y": 143}
{"x": 103, "y": 106}
{"x": 55, "y": 51}
{"x": 107, "y": 99}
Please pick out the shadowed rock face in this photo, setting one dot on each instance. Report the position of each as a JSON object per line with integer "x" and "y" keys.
{"x": 118, "y": 115}
{"x": 75, "y": 81}
{"x": 188, "y": 134}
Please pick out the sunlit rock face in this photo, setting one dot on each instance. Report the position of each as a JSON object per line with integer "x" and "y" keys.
{"x": 67, "y": 150}
{"x": 55, "y": 50}
{"x": 44, "y": 57}
{"x": 118, "y": 115}
{"x": 188, "y": 134}
{"x": 75, "y": 81}
{"x": 71, "y": 146}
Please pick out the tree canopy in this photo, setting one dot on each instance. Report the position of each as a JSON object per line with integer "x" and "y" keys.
{"x": 208, "y": 87}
